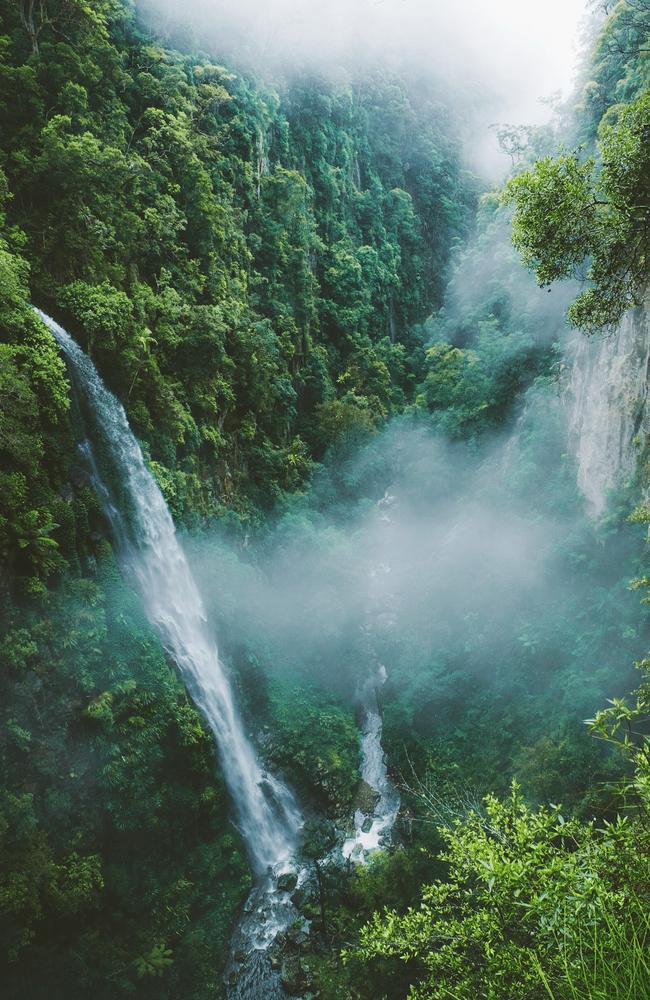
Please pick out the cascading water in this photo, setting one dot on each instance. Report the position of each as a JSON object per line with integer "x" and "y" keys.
{"x": 607, "y": 401}
{"x": 374, "y": 819}
{"x": 150, "y": 553}
{"x": 372, "y": 826}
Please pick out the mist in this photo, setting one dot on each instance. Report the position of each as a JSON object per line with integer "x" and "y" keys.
{"x": 465, "y": 564}
{"x": 501, "y": 62}
{"x": 471, "y": 573}
{"x": 486, "y": 279}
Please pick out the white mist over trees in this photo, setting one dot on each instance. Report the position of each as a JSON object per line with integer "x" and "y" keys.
{"x": 259, "y": 223}
{"x": 505, "y": 57}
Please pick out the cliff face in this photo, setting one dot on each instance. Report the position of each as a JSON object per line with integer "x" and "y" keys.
{"x": 609, "y": 415}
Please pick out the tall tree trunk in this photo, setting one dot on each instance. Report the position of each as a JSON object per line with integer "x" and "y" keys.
{"x": 27, "y": 18}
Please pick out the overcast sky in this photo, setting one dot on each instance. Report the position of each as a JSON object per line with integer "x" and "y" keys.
{"x": 513, "y": 52}
{"x": 530, "y": 44}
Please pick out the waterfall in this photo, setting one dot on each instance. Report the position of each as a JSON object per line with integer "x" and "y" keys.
{"x": 607, "y": 404}
{"x": 376, "y": 813}
{"x": 151, "y": 555}
{"x": 373, "y": 826}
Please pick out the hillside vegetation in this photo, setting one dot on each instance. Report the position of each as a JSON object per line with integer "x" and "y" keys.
{"x": 304, "y": 302}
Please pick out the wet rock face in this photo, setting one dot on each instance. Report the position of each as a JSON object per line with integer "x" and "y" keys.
{"x": 67, "y": 493}
{"x": 608, "y": 399}
{"x": 298, "y": 934}
{"x": 366, "y": 798}
{"x": 295, "y": 975}
{"x": 269, "y": 958}
{"x": 79, "y": 477}
{"x": 288, "y": 881}
{"x": 301, "y": 895}
{"x": 367, "y": 824}
{"x": 276, "y": 952}
{"x": 256, "y": 978}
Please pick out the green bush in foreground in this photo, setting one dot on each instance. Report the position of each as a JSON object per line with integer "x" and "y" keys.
{"x": 534, "y": 905}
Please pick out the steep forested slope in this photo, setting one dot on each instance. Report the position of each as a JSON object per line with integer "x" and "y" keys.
{"x": 264, "y": 275}
{"x": 248, "y": 269}
{"x": 236, "y": 261}
{"x": 532, "y": 903}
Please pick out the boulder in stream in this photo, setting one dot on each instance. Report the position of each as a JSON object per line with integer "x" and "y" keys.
{"x": 366, "y": 798}
{"x": 287, "y": 881}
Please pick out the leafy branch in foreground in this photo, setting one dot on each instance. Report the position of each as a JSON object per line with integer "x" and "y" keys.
{"x": 570, "y": 212}
{"x": 532, "y": 904}
{"x": 626, "y": 725}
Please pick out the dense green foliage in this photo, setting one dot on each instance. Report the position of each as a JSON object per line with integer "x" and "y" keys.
{"x": 248, "y": 270}
{"x": 111, "y": 815}
{"x": 585, "y": 212}
{"x": 264, "y": 277}
{"x": 245, "y": 268}
{"x": 534, "y": 903}
{"x": 566, "y": 212}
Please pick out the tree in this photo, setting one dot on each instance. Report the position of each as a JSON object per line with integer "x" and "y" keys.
{"x": 319, "y": 838}
{"x": 571, "y": 213}
{"x": 58, "y": 15}
{"x": 533, "y": 906}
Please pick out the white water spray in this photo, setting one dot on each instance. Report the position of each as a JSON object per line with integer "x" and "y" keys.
{"x": 150, "y": 552}
{"x": 371, "y": 830}
{"x": 373, "y": 826}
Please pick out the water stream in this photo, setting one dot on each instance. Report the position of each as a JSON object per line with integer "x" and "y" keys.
{"x": 376, "y": 813}
{"x": 374, "y": 823}
{"x": 151, "y": 556}
{"x": 268, "y": 817}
